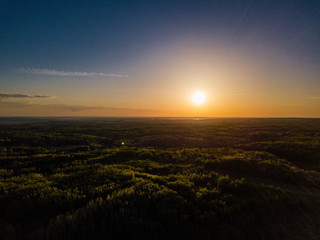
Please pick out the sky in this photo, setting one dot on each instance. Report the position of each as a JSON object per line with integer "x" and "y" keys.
{"x": 147, "y": 58}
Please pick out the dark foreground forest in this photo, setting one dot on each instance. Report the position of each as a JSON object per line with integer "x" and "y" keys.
{"x": 159, "y": 178}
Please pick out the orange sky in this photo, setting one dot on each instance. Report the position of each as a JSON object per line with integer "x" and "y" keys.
{"x": 238, "y": 82}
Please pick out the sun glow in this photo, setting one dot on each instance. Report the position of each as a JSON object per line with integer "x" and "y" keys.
{"x": 198, "y": 98}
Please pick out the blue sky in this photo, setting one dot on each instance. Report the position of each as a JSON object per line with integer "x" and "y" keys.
{"x": 44, "y": 44}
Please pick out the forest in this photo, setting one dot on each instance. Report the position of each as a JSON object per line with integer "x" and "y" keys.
{"x": 159, "y": 178}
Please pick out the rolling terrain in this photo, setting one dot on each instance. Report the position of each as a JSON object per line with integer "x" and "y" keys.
{"x": 159, "y": 178}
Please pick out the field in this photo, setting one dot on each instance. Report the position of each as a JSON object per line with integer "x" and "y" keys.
{"x": 159, "y": 178}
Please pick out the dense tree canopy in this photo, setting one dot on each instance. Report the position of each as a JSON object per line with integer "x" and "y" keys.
{"x": 160, "y": 179}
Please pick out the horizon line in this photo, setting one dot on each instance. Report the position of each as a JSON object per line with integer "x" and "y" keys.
{"x": 36, "y": 116}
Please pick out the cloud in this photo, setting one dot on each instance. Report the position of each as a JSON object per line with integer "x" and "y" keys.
{"x": 48, "y": 72}
{"x": 236, "y": 94}
{"x": 21, "y": 95}
{"x": 26, "y": 101}
{"x": 72, "y": 108}
{"x": 316, "y": 97}
{"x": 67, "y": 107}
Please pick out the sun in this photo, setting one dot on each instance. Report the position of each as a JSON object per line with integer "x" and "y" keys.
{"x": 198, "y": 98}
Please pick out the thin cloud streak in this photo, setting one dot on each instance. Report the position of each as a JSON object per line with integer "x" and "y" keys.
{"x": 52, "y": 72}
{"x": 318, "y": 97}
{"x": 68, "y": 107}
{"x": 21, "y": 95}
{"x": 236, "y": 94}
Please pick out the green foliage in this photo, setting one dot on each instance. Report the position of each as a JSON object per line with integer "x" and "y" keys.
{"x": 172, "y": 179}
